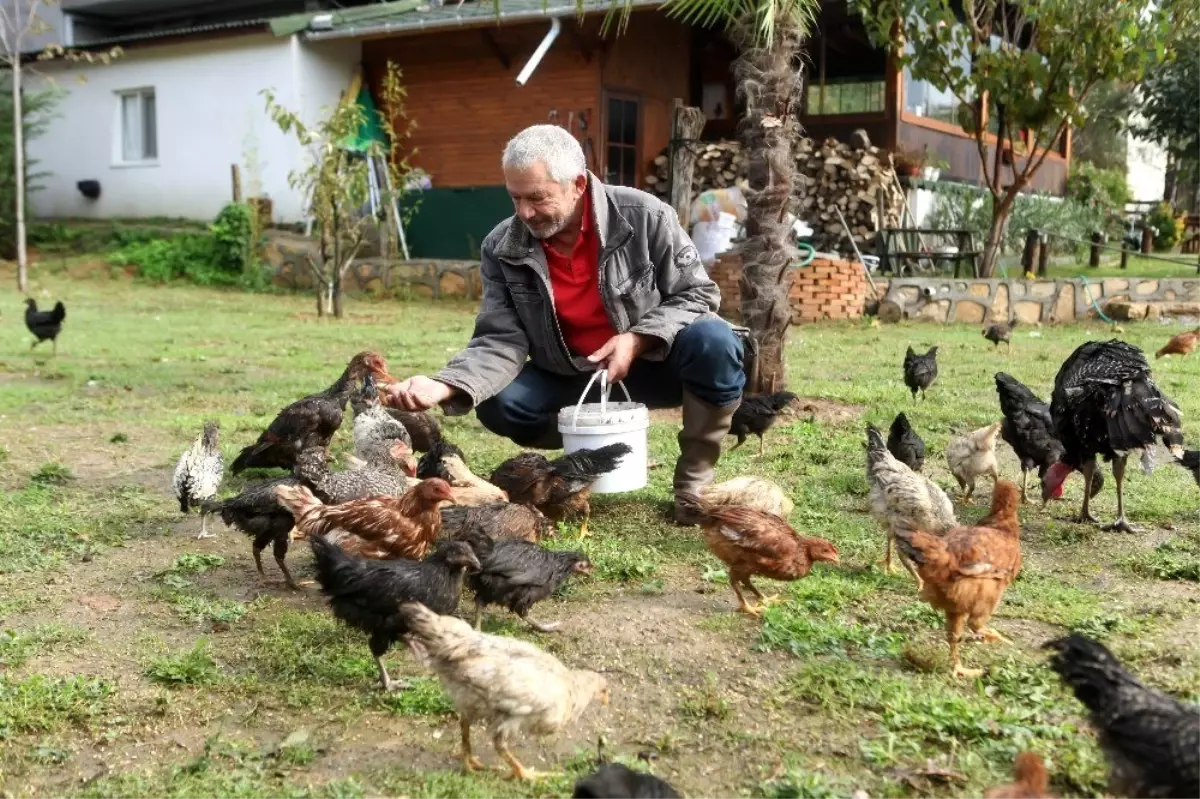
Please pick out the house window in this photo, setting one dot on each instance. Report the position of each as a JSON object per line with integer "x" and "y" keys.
{"x": 845, "y": 97}
{"x": 138, "y": 126}
{"x": 621, "y": 145}
{"x": 923, "y": 99}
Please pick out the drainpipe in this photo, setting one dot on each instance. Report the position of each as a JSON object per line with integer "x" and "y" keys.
{"x": 540, "y": 52}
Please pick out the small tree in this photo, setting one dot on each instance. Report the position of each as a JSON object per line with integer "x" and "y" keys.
{"x": 20, "y": 23}
{"x": 1029, "y": 65}
{"x": 1170, "y": 114}
{"x": 337, "y": 181}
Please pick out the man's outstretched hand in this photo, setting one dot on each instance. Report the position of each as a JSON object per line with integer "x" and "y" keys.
{"x": 619, "y": 353}
{"x": 418, "y": 393}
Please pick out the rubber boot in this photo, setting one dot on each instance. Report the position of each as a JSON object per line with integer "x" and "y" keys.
{"x": 704, "y": 428}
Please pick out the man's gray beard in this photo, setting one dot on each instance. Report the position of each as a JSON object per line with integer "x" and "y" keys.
{"x": 547, "y": 233}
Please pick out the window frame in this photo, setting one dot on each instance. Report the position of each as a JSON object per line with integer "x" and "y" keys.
{"x": 142, "y": 94}
{"x": 636, "y": 146}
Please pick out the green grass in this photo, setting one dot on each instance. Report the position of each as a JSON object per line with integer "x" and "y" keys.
{"x": 1136, "y": 267}
{"x": 122, "y": 631}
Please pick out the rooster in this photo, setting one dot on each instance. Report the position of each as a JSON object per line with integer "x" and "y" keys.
{"x": 756, "y": 415}
{"x": 1181, "y": 344}
{"x": 904, "y": 443}
{"x": 1106, "y": 403}
{"x": 560, "y": 488}
{"x": 44, "y": 324}
{"x": 920, "y": 371}
{"x": 1152, "y": 741}
{"x": 309, "y": 422}
{"x": 198, "y": 474}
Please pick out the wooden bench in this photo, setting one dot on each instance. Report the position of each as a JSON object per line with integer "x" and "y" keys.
{"x": 901, "y": 250}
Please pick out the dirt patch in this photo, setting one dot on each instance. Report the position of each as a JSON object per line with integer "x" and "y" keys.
{"x": 809, "y": 409}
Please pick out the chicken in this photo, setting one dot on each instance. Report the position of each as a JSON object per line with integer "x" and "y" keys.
{"x": 1000, "y": 331}
{"x": 1152, "y": 741}
{"x": 497, "y": 520}
{"x": 308, "y": 422}
{"x": 366, "y": 594}
{"x": 972, "y": 456}
{"x": 614, "y": 780}
{"x": 374, "y": 479}
{"x": 965, "y": 572}
{"x": 1106, "y": 403}
{"x": 446, "y": 461}
{"x": 258, "y": 513}
{"x": 1029, "y": 430}
{"x": 560, "y": 488}
{"x": 411, "y": 522}
{"x": 753, "y": 492}
{"x": 198, "y": 474}
{"x": 44, "y": 324}
{"x": 1190, "y": 460}
{"x": 422, "y": 427}
{"x": 1182, "y": 344}
{"x": 903, "y": 499}
{"x": 904, "y": 443}
{"x": 752, "y": 543}
{"x": 756, "y": 415}
{"x": 374, "y": 427}
{"x": 510, "y": 685}
{"x": 517, "y": 574}
{"x": 920, "y": 371}
{"x": 1030, "y": 780}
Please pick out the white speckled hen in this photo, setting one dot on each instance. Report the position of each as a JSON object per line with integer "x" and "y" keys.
{"x": 198, "y": 474}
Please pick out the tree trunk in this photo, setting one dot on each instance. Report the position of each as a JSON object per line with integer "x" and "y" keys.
{"x": 770, "y": 83}
{"x": 335, "y": 295}
{"x": 19, "y": 168}
{"x": 995, "y": 235}
{"x": 687, "y": 123}
{"x": 1171, "y": 179}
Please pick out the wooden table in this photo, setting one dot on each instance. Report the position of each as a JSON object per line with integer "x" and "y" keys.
{"x": 901, "y": 249}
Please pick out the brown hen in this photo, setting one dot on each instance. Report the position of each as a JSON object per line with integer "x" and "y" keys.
{"x": 559, "y": 488}
{"x": 964, "y": 573}
{"x": 752, "y": 542}
{"x": 405, "y": 526}
{"x": 1182, "y": 344}
{"x": 1030, "y": 780}
{"x": 499, "y": 521}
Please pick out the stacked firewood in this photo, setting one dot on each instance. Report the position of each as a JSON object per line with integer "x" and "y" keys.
{"x": 829, "y": 173}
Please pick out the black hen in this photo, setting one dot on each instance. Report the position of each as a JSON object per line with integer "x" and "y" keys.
{"x": 44, "y": 324}
{"x": 367, "y": 594}
{"x": 422, "y": 427}
{"x": 1000, "y": 331}
{"x": 756, "y": 415}
{"x": 308, "y": 422}
{"x": 904, "y": 443}
{"x": 1190, "y": 460}
{"x": 1029, "y": 430}
{"x": 615, "y": 781}
{"x": 257, "y": 513}
{"x": 1152, "y": 741}
{"x": 517, "y": 574}
{"x": 920, "y": 370}
{"x": 431, "y": 463}
{"x": 1105, "y": 403}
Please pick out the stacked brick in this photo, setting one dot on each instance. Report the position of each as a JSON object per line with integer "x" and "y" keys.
{"x": 825, "y": 289}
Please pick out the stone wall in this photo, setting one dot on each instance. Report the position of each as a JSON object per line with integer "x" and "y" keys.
{"x": 290, "y": 257}
{"x": 1038, "y": 301}
{"x": 824, "y": 289}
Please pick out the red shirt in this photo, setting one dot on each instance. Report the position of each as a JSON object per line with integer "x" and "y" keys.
{"x": 575, "y": 282}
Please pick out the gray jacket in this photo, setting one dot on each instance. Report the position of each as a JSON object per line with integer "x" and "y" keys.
{"x": 651, "y": 280}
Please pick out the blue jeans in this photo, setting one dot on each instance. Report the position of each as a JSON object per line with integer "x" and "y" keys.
{"x": 705, "y": 360}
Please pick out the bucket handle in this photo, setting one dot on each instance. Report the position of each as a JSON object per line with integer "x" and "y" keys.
{"x": 605, "y": 388}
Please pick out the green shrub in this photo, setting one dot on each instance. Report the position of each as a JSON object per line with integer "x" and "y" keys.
{"x": 38, "y": 110}
{"x": 1167, "y": 229}
{"x": 1106, "y": 189}
{"x": 232, "y": 233}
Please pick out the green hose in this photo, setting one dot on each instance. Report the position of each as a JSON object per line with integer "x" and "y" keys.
{"x": 1087, "y": 287}
{"x": 808, "y": 253}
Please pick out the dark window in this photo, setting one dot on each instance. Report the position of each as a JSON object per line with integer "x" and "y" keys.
{"x": 621, "y": 144}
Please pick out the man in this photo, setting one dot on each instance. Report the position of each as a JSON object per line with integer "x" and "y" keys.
{"x": 588, "y": 276}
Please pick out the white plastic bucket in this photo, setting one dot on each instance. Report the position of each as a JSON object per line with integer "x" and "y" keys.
{"x": 595, "y": 425}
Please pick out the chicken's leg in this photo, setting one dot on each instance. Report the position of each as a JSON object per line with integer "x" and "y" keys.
{"x": 743, "y": 605}
{"x": 258, "y": 559}
{"x": 1120, "y": 524}
{"x": 954, "y": 629}
{"x": 911, "y": 569}
{"x": 887, "y": 558}
{"x": 763, "y": 601}
{"x": 204, "y": 533}
{"x": 587, "y": 514}
{"x": 1087, "y": 470}
{"x": 541, "y": 627}
{"x": 1024, "y": 484}
{"x": 53, "y": 348}
{"x": 386, "y": 680}
{"x": 478, "y": 615}
{"x": 762, "y": 446}
{"x": 518, "y": 771}
{"x": 470, "y": 762}
{"x": 280, "y": 549}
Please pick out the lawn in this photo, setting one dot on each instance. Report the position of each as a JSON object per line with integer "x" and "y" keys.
{"x": 138, "y": 661}
{"x": 1137, "y": 266}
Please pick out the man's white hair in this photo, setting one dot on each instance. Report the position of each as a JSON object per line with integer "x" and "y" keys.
{"x": 550, "y": 144}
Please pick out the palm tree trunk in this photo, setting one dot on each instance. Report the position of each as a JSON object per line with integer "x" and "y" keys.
{"x": 769, "y": 78}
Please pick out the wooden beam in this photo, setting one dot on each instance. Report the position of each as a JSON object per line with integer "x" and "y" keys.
{"x": 686, "y": 125}
{"x": 496, "y": 49}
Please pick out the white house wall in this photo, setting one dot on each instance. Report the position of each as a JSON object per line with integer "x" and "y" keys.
{"x": 1145, "y": 170}
{"x": 210, "y": 115}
